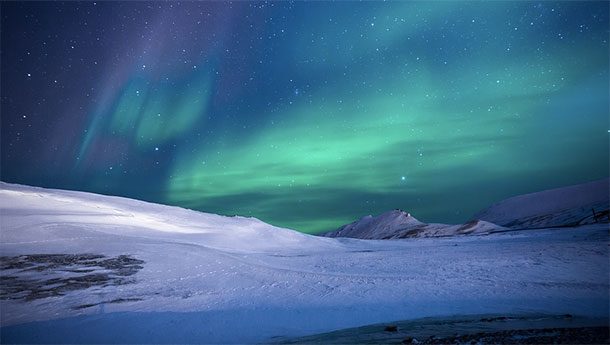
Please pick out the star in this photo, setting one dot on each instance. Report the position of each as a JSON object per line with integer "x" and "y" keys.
{"x": 369, "y": 91}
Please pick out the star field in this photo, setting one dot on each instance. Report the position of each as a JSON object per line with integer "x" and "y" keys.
{"x": 306, "y": 115}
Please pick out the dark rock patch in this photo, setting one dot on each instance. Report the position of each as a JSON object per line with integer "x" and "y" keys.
{"x": 409, "y": 340}
{"x": 580, "y": 335}
{"x": 391, "y": 328}
{"x": 31, "y": 277}
{"x": 117, "y": 300}
{"x": 493, "y": 319}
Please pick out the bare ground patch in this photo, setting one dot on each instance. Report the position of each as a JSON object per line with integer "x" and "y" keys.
{"x": 36, "y": 276}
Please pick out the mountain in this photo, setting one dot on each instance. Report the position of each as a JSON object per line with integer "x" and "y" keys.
{"x": 576, "y": 205}
{"x": 400, "y": 224}
{"x": 383, "y": 226}
{"x": 568, "y": 206}
{"x": 85, "y": 268}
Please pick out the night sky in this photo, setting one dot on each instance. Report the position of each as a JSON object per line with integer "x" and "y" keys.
{"x": 306, "y": 115}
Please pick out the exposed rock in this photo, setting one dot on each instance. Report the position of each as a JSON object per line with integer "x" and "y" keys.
{"x": 391, "y": 328}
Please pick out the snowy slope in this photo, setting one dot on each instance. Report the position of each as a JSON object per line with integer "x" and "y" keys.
{"x": 399, "y": 224}
{"x": 81, "y": 268}
{"x": 476, "y": 227}
{"x": 29, "y": 210}
{"x": 568, "y": 206}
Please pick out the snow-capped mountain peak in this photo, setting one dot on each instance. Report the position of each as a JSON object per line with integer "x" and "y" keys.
{"x": 384, "y": 225}
{"x": 397, "y": 224}
{"x": 561, "y": 207}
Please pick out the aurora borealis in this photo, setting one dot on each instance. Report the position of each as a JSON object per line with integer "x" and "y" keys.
{"x": 306, "y": 115}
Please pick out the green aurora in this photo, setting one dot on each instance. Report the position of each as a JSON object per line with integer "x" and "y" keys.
{"x": 311, "y": 115}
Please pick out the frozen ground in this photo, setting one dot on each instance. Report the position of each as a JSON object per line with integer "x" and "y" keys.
{"x": 109, "y": 269}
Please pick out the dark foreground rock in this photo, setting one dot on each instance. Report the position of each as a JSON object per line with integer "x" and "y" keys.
{"x": 474, "y": 329}
{"x": 391, "y": 328}
{"x": 581, "y": 335}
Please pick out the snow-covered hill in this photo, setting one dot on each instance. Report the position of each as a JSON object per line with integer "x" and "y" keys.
{"x": 399, "y": 224}
{"x": 585, "y": 203}
{"x": 85, "y": 268}
{"x": 569, "y": 206}
{"x": 37, "y": 211}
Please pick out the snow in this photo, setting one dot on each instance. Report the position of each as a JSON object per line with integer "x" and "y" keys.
{"x": 567, "y": 206}
{"x": 380, "y": 227}
{"x": 556, "y": 207}
{"x": 34, "y": 209}
{"x": 214, "y": 279}
{"x": 400, "y": 224}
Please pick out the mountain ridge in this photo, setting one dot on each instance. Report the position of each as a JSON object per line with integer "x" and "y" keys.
{"x": 565, "y": 206}
{"x": 559, "y": 207}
